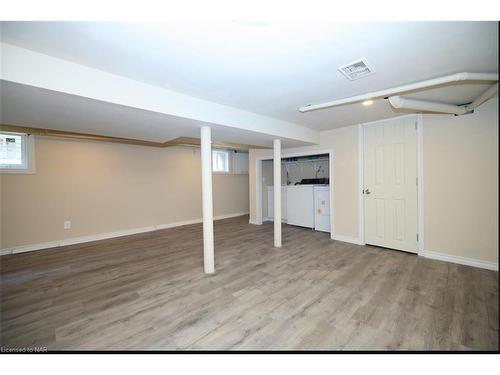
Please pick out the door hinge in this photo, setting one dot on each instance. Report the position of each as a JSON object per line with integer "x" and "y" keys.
{"x": 416, "y": 122}
{"x": 416, "y": 181}
{"x": 417, "y": 237}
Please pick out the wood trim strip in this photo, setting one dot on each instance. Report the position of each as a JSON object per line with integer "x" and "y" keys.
{"x": 74, "y": 135}
{"x": 180, "y": 141}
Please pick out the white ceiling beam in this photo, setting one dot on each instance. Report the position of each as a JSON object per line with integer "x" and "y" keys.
{"x": 35, "y": 69}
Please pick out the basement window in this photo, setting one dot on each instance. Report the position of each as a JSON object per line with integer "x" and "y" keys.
{"x": 220, "y": 161}
{"x": 16, "y": 153}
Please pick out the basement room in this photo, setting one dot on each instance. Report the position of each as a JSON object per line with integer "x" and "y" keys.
{"x": 235, "y": 185}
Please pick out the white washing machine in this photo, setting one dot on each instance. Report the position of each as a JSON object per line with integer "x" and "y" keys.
{"x": 300, "y": 205}
{"x": 322, "y": 208}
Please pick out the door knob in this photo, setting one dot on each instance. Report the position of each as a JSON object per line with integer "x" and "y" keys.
{"x": 367, "y": 191}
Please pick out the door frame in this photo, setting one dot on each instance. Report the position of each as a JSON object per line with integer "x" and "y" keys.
{"x": 420, "y": 177}
{"x": 285, "y": 154}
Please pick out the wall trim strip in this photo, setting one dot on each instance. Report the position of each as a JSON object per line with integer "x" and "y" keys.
{"x": 493, "y": 266}
{"x": 104, "y": 236}
{"x": 179, "y": 141}
{"x": 460, "y": 260}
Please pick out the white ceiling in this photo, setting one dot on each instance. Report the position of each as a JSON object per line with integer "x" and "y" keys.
{"x": 273, "y": 68}
{"x": 39, "y": 108}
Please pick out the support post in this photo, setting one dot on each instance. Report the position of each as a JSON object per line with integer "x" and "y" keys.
{"x": 277, "y": 191}
{"x": 207, "y": 203}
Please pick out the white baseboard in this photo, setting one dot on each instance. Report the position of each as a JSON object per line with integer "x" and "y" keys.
{"x": 264, "y": 219}
{"x": 104, "y": 236}
{"x": 340, "y": 237}
{"x": 460, "y": 260}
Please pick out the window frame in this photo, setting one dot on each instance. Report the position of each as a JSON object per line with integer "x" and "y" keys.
{"x": 28, "y": 153}
{"x": 236, "y": 160}
{"x": 229, "y": 164}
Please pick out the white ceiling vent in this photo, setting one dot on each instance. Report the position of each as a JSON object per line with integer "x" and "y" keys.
{"x": 357, "y": 69}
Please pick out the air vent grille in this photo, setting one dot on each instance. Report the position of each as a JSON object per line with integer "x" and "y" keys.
{"x": 357, "y": 69}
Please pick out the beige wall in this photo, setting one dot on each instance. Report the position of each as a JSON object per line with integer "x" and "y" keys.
{"x": 105, "y": 187}
{"x": 460, "y": 182}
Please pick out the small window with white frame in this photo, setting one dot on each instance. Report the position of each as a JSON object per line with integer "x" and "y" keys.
{"x": 16, "y": 153}
{"x": 220, "y": 161}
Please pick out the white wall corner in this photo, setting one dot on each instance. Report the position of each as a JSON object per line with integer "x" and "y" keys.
{"x": 349, "y": 239}
{"x": 361, "y": 200}
{"x": 420, "y": 178}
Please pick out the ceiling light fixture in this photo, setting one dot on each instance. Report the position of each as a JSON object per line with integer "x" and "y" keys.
{"x": 368, "y": 102}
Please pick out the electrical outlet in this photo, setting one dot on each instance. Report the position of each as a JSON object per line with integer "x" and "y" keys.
{"x": 67, "y": 224}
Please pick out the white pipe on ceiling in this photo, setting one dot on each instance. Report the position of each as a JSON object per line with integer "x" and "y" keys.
{"x": 425, "y": 106}
{"x": 492, "y": 91}
{"x": 405, "y": 88}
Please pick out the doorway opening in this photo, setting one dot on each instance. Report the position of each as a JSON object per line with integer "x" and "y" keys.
{"x": 306, "y": 191}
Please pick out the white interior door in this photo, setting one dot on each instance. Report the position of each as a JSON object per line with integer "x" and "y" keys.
{"x": 390, "y": 184}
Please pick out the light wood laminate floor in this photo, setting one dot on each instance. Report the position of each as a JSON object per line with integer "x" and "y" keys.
{"x": 148, "y": 292}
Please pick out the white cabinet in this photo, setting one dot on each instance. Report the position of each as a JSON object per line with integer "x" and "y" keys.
{"x": 322, "y": 208}
{"x": 270, "y": 202}
{"x": 300, "y": 205}
{"x": 240, "y": 163}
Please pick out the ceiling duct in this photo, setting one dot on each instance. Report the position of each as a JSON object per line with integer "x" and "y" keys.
{"x": 357, "y": 69}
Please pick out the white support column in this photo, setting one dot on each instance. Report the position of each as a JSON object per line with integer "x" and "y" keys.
{"x": 277, "y": 191}
{"x": 207, "y": 204}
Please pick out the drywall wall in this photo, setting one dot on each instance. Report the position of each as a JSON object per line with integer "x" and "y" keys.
{"x": 343, "y": 142}
{"x": 460, "y": 182}
{"x": 105, "y": 187}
